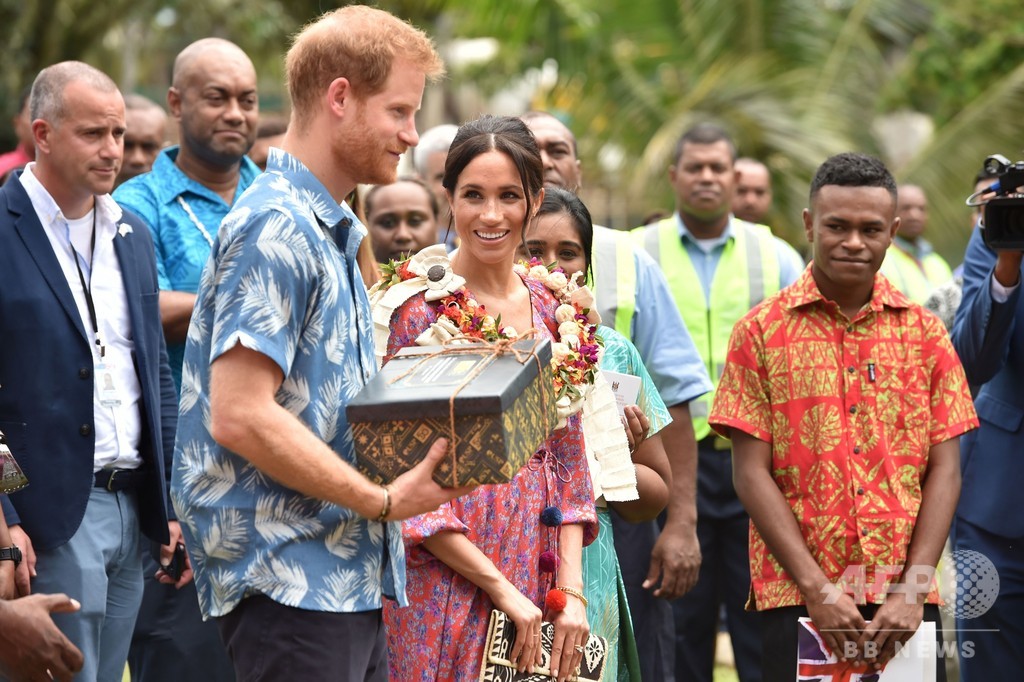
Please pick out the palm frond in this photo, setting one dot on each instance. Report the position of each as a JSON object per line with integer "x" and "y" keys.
{"x": 945, "y": 168}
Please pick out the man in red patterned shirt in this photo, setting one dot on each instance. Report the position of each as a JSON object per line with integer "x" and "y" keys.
{"x": 844, "y": 402}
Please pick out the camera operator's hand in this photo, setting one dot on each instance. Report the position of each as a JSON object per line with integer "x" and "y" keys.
{"x": 1007, "y": 270}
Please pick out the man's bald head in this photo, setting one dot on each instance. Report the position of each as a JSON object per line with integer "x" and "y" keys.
{"x": 197, "y": 59}
{"x": 557, "y": 146}
{"x": 214, "y": 100}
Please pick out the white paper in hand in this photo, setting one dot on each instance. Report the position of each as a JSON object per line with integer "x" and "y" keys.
{"x": 626, "y": 388}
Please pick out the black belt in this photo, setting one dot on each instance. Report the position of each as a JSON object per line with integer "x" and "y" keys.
{"x": 116, "y": 480}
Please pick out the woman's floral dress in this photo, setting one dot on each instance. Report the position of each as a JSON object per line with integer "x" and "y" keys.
{"x": 440, "y": 635}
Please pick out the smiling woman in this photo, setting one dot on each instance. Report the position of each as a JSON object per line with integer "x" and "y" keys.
{"x": 484, "y": 550}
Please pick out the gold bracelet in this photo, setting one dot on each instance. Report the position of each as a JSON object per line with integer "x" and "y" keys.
{"x": 574, "y": 592}
{"x": 386, "y": 509}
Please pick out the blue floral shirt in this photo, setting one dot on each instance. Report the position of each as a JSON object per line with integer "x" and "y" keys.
{"x": 282, "y": 281}
{"x": 183, "y": 215}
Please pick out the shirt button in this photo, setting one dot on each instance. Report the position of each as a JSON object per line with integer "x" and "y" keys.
{"x": 85, "y": 429}
{"x": 864, "y": 532}
{"x": 860, "y": 491}
{"x": 84, "y": 373}
{"x": 856, "y": 450}
{"x": 851, "y": 369}
{"x": 850, "y": 328}
{"x": 853, "y": 409}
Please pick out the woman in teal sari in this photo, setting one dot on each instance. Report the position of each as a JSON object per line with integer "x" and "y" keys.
{"x": 562, "y": 233}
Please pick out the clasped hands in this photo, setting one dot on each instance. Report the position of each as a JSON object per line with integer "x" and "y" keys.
{"x": 851, "y": 638}
{"x": 571, "y": 631}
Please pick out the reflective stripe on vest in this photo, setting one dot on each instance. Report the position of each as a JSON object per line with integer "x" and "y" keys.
{"x": 614, "y": 268}
{"x": 747, "y": 273}
{"x": 902, "y": 270}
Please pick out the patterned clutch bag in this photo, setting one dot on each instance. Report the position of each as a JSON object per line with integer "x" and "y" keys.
{"x": 12, "y": 478}
{"x": 501, "y": 634}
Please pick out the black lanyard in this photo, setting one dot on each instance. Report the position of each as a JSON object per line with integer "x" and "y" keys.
{"x": 87, "y": 286}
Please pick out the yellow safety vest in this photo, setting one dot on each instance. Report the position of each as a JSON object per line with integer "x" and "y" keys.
{"x": 915, "y": 281}
{"x": 614, "y": 278}
{"x": 747, "y": 273}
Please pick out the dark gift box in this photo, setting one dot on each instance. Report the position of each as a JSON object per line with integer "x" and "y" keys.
{"x": 504, "y": 408}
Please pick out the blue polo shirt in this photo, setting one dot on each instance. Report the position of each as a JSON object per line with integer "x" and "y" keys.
{"x": 184, "y": 216}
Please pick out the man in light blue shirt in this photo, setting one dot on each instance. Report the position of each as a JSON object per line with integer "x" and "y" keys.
{"x": 272, "y": 264}
{"x": 705, "y": 254}
{"x": 293, "y": 549}
{"x": 659, "y": 333}
{"x": 656, "y": 567}
{"x": 183, "y": 200}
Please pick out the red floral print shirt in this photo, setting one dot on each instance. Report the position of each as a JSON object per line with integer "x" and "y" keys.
{"x": 851, "y": 409}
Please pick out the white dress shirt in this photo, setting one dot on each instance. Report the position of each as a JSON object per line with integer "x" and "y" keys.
{"x": 117, "y": 428}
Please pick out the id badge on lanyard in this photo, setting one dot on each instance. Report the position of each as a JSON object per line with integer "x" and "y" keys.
{"x": 110, "y": 396}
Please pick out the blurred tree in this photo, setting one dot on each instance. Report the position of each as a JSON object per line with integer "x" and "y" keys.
{"x": 793, "y": 80}
{"x": 969, "y": 46}
{"x": 967, "y": 73}
{"x": 36, "y": 34}
{"x": 135, "y": 41}
{"x": 787, "y": 77}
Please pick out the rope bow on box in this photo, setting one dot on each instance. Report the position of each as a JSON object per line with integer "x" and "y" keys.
{"x": 461, "y": 319}
{"x": 490, "y": 351}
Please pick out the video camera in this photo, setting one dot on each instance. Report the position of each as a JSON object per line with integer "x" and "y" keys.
{"x": 1003, "y": 223}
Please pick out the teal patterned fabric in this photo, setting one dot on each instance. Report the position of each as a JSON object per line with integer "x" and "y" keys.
{"x": 607, "y": 608}
{"x": 620, "y": 355}
{"x": 159, "y": 198}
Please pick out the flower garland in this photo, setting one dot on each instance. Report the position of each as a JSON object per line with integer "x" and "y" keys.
{"x": 471, "y": 319}
{"x": 575, "y": 355}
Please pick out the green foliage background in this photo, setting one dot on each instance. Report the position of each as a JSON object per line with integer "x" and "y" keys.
{"x": 794, "y": 80}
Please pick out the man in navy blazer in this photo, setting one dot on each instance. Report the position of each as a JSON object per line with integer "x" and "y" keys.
{"x": 990, "y": 340}
{"x": 86, "y": 398}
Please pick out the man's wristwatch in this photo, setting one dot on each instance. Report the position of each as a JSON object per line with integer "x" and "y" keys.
{"x": 12, "y": 553}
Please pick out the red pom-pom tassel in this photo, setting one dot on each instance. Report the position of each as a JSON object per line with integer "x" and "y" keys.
{"x": 555, "y": 601}
{"x": 548, "y": 562}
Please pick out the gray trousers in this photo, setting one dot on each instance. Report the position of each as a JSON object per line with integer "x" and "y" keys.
{"x": 100, "y": 567}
